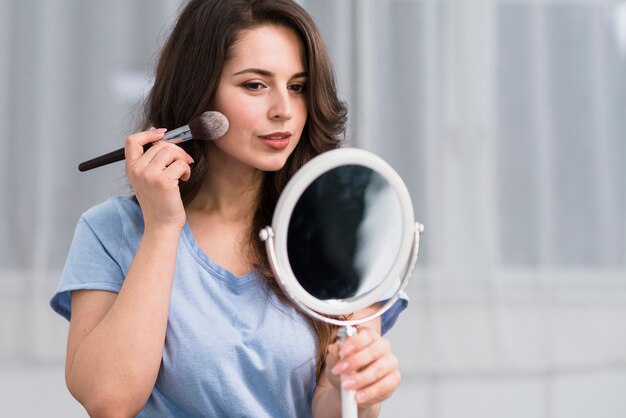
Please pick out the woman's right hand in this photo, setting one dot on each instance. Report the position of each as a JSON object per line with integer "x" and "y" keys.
{"x": 154, "y": 176}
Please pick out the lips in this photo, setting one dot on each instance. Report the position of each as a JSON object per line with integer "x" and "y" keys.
{"x": 276, "y": 140}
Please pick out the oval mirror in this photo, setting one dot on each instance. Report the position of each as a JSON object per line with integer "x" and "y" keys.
{"x": 342, "y": 233}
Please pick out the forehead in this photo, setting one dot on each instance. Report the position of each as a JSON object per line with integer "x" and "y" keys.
{"x": 268, "y": 46}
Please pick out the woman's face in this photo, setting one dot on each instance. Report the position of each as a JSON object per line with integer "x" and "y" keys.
{"x": 262, "y": 93}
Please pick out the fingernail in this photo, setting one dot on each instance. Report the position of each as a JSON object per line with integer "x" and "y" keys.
{"x": 360, "y": 396}
{"x": 339, "y": 367}
{"x": 347, "y": 383}
{"x": 333, "y": 349}
{"x": 160, "y": 130}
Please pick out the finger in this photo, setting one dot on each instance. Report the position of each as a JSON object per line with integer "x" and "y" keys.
{"x": 152, "y": 164}
{"x": 332, "y": 355}
{"x": 362, "y": 339}
{"x": 163, "y": 154}
{"x": 371, "y": 374}
{"x": 133, "y": 147}
{"x": 380, "y": 390}
{"x": 360, "y": 359}
{"x": 166, "y": 178}
{"x": 334, "y": 349}
{"x": 178, "y": 170}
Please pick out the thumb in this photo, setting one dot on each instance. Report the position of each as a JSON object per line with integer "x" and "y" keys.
{"x": 332, "y": 355}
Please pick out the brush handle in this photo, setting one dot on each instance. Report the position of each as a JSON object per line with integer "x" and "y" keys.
{"x": 105, "y": 159}
{"x": 176, "y": 136}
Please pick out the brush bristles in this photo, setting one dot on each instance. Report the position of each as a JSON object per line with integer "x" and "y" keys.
{"x": 208, "y": 126}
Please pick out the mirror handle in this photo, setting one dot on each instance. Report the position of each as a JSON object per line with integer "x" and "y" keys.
{"x": 349, "y": 407}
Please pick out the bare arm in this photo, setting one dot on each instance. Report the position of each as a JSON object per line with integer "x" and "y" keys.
{"x": 365, "y": 359}
{"x": 115, "y": 342}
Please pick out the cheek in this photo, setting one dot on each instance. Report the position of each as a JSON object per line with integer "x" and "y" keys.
{"x": 303, "y": 117}
{"x": 303, "y": 112}
{"x": 242, "y": 114}
{"x": 236, "y": 110}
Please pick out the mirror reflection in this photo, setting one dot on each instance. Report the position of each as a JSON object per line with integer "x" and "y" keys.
{"x": 344, "y": 233}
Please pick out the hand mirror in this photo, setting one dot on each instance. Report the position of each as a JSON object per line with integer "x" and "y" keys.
{"x": 343, "y": 237}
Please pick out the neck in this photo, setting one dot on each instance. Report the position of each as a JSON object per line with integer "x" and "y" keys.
{"x": 230, "y": 190}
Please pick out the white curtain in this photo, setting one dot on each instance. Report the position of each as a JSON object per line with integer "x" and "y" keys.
{"x": 506, "y": 119}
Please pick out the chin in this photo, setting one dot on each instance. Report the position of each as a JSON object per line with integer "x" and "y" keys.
{"x": 272, "y": 167}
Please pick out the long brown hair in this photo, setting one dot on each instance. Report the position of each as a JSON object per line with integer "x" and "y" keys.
{"x": 186, "y": 79}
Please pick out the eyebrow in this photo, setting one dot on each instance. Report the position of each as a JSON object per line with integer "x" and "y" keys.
{"x": 266, "y": 73}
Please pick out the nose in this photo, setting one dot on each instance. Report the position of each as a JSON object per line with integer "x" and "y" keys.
{"x": 280, "y": 106}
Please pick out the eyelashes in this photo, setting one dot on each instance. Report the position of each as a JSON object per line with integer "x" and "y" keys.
{"x": 298, "y": 88}
{"x": 255, "y": 86}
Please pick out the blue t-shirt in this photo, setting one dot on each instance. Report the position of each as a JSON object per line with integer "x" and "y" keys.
{"x": 232, "y": 348}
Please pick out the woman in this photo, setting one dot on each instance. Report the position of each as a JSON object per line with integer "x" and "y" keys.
{"x": 173, "y": 307}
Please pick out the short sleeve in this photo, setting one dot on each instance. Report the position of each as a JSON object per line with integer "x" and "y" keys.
{"x": 390, "y": 317}
{"x": 93, "y": 259}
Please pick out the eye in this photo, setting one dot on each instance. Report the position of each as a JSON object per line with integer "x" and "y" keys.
{"x": 253, "y": 85}
{"x": 298, "y": 88}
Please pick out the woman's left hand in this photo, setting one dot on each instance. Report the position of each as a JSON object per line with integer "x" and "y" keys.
{"x": 365, "y": 364}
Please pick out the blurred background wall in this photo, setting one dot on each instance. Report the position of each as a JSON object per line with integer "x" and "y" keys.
{"x": 506, "y": 119}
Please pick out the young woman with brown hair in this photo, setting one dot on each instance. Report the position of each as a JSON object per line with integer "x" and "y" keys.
{"x": 173, "y": 308}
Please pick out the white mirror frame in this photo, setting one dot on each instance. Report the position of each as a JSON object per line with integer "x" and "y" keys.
{"x": 276, "y": 236}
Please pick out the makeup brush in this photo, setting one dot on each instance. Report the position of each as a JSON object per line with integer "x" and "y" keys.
{"x": 207, "y": 126}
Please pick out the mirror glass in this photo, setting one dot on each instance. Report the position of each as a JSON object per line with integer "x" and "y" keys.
{"x": 345, "y": 232}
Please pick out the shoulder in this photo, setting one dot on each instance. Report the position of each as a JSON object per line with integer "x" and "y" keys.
{"x": 101, "y": 251}
{"x": 115, "y": 209}
{"x": 112, "y": 222}
{"x": 117, "y": 212}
